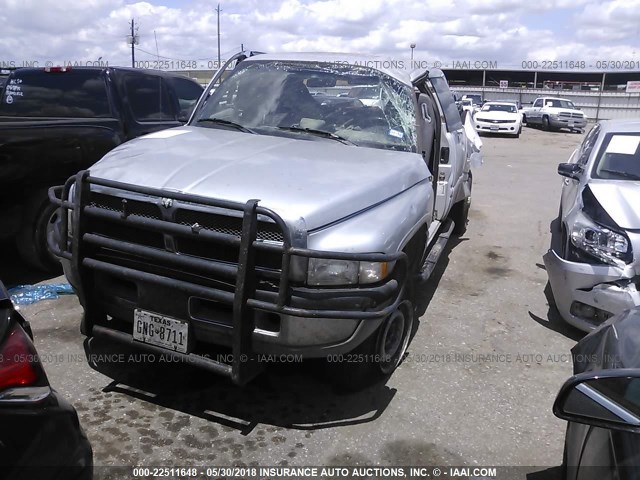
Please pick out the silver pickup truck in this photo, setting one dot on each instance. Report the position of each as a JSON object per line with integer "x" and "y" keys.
{"x": 281, "y": 220}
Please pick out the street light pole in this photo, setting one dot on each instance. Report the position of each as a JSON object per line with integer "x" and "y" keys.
{"x": 413, "y": 45}
{"x": 133, "y": 39}
{"x": 218, "y": 12}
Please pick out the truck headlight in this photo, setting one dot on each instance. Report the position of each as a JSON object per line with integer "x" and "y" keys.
{"x": 601, "y": 242}
{"x": 322, "y": 271}
{"x": 72, "y": 192}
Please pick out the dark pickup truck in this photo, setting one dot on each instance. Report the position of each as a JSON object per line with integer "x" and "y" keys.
{"x": 56, "y": 121}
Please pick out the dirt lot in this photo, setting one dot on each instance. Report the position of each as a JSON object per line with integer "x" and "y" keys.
{"x": 476, "y": 388}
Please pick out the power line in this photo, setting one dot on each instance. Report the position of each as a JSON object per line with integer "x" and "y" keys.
{"x": 174, "y": 58}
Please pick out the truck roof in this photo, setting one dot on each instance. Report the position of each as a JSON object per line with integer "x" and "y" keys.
{"x": 161, "y": 73}
{"x": 550, "y": 97}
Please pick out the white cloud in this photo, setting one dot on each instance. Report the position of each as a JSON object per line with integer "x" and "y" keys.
{"x": 507, "y": 31}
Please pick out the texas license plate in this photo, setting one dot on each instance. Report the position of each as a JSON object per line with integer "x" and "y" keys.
{"x": 161, "y": 331}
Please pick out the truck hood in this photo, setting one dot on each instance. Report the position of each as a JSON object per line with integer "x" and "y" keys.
{"x": 620, "y": 198}
{"x": 563, "y": 111}
{"x": 317, "y": 180}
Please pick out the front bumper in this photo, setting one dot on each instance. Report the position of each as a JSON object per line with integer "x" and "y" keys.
{"x": 561, "y": 122}
{"x": 504, "y": 128}
{"x": 244, "y": 306}
{"x": 606, "y": 288}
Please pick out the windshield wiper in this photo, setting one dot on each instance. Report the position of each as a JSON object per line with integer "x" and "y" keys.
{"x": 319, "y": 133}
{"x": 630, "y": 176}
{"x": 228, "y": 123}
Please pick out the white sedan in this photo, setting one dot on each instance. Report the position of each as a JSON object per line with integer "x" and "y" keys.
{"x": 499, "y": 117}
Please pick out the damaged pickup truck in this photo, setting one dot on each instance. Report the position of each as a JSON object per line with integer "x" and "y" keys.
{"x": 594, "y": 260}
{"x": 280, "y": 220}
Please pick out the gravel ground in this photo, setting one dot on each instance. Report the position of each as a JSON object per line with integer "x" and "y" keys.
{"x": 476, "y": 388}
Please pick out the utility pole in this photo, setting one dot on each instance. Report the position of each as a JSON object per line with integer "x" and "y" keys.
{"x": 133, "y": 40}
{"x": 218, "y": 12}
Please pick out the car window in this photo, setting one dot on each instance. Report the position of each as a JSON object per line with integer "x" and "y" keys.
{"x": 69, "y": 93}
{"x": 555, "y": 103}
{"x": 187, "y": 92}
{"x": 538, "y": 103}
{"x": 619, "y": 157}
{"x": 587, "y": 145}
{"x": 451, "y": 114}
{"x": 147, "y": 98}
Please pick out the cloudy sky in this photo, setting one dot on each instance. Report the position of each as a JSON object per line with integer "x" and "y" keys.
{"x": 504, "y": 31}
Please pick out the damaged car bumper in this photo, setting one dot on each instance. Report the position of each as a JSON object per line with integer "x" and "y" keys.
{"x": 586, "y": 295}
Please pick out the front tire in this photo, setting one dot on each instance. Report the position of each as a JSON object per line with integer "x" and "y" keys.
{"x": 378, "y": 356}
{"x": 31, "y": 240}
{"x": 545, "y": 124}
{"x": 460, "y": 212}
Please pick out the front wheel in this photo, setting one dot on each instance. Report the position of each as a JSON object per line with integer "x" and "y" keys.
{"x": 545, "y": 123}
{"x": 378, "y": 356}
{"x": 460, "y": 212}
{"x": 31, "y": 240}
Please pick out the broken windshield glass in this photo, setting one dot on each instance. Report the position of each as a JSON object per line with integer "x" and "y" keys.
{"x": 359, "y": 104}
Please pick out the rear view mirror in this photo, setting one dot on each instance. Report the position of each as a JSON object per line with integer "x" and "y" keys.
{"x": 326, "y": 81}
{"x": 570, "y": 170}
{"x": 476, "y": 160}
{"x": 607, "y": 399}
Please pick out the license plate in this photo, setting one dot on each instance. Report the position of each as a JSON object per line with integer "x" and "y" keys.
{"x": 161, "y": 331}
{"x": 571, "y": 124}
{"x": 494, "y": 128}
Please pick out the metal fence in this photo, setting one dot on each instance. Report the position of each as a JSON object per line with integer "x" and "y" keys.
{"x": 595, "y": 105}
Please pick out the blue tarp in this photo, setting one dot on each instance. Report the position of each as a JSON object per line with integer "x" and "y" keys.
{"x": 28, "y": 294}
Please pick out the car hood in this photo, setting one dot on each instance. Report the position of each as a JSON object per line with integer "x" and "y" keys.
{"x": 314, "y": 179}
{"x": 620, "y": 198}
{"x": 497, "y": 115}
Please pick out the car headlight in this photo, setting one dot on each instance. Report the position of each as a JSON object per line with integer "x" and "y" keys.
{"x": 322, "y": 271}
{"x": 601, "y": 242}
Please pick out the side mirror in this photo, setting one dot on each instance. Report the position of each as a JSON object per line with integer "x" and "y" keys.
{"x": 606, "y": 398}
{"x": 476, "y": 160}
{"x": 570, "y": 170}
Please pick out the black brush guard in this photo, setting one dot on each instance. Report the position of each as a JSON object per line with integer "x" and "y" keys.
{"x": 245, "y": 273}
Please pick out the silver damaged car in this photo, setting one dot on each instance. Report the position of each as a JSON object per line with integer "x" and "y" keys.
{"x": 594, "y": 260}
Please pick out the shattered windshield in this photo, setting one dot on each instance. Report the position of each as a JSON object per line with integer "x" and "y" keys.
{"x": 356, "y": 104}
